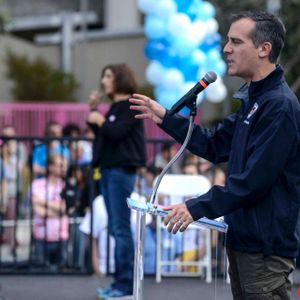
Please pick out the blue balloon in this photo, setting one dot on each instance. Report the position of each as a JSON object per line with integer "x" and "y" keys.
{"x": 185, "y": 112}
{"x": 167, "y": 97}
{"x": 188, "y": 68}
{"x": 155, "y": 49}
{"x": 190, "y": 65}
{"x": 214, "y": 40}
{"x": 193, "y": 9}
{"x": 210, "y": 42}
{"x": 177, "y": 57}
{"x": 220, "y": 67}
{"x": 168, "y": 58}
{"x": 157, "y": 90}
{"x": 183, "y": 5}
{"x": 213, "y": 61}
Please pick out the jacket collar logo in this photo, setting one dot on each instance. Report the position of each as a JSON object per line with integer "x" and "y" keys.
{"x": 251, "y": 113}
{"x": 112, "y": 118}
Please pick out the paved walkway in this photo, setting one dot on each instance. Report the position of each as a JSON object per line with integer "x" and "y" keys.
{"x": 84, "y": 288}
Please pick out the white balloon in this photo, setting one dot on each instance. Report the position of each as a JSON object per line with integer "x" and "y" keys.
{"x": 198, "y": 29}
{"x": 206, "y": 11}
{"x": 185, "y": 45}
{"x": 179, "y": 24}
{"x": 147, "y": 6}
{"x": 165, "y": 8}
{"x": 173, "y": 78}
{"x": 199, "y": 57}
{"x": 200, "y": 98}
{"x": 220, "y": 67}
{"x": 155, "y": 72}
{"x": 213, "y": 55}
{"x": 216, "y": 92}
{"x": 212, "y": 26}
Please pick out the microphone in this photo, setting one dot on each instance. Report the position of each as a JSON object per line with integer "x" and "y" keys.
{"x": 191, "y": 95}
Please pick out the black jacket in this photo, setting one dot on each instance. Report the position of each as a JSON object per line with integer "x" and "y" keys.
{"x": 120, "y": 141}
{"x": 261, "y": 143}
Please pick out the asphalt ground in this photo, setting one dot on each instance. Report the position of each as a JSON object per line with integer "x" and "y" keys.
{"x": 69, "y": 287}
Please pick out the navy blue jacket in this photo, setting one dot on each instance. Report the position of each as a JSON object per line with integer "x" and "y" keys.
{"x": 261, "y": 143}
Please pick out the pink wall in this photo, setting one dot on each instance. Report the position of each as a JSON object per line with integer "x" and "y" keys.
{"x": 30, "y": 119}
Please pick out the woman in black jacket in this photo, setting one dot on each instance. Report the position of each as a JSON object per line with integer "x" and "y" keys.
{"x": 121, "y": 149}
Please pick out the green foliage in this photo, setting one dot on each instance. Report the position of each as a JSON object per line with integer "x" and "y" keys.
{"x": 36, "y": 80}
{"x": 4, "y": 17}
{"x": 290, "y": 58}
{"x": 291, "y": 54}
{"x": 227, "y": 8}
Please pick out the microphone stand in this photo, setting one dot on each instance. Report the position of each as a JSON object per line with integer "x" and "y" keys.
{"x": 138, "y": 286}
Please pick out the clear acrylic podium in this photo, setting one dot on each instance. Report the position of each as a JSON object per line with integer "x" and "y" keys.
{"x": 152, "y": 208}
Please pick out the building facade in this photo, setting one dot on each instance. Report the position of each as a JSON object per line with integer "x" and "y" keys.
{"x": 78, "y": 36}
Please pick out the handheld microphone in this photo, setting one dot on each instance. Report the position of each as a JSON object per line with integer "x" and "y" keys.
{"x": 190, "y": 96}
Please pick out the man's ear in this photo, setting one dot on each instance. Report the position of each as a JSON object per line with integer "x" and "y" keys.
{"x": 264, "y": 49}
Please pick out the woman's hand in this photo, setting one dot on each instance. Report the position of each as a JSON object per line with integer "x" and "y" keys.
{"x": 148, "y": 108}
{"x": 94, "y": 99}
{"x": 96, "y": 118}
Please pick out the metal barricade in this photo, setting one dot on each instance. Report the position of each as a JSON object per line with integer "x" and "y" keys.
{"x": 40, "y": 217}
{"x": 19, "y": 246}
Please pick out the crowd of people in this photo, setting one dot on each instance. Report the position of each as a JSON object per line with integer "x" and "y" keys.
{"x": 52, "y": 182}
{"x": 46, "y": 181}
{"x": 259, "y": 198}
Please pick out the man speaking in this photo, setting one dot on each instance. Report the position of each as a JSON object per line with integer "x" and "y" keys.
{"x": 261, "y": 143}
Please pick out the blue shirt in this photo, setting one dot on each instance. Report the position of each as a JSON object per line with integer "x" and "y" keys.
{"x": 40, "y": 154}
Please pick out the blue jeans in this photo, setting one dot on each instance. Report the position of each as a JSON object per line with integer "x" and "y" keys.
{"x": 116, "y": 185}
{"x": 78, "y": 245}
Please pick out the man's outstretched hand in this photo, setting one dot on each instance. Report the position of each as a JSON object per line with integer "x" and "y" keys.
{"x": 147, "y": 108}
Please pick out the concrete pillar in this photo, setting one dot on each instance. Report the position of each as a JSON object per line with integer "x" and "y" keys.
{"x": 120, "y": 15}
{"x": 273, "y": 6}
{"x": 67, "y": 42}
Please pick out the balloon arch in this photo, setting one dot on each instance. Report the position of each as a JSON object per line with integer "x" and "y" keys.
{"x": 183, "y": 43}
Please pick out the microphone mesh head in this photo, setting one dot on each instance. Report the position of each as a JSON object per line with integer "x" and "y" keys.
{"x": 210, "y": 77}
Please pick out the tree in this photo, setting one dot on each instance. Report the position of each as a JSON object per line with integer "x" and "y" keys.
{"x": 290, "y": 58}
{"x": 37, "y": 80}
{"x": 4, "y": 17}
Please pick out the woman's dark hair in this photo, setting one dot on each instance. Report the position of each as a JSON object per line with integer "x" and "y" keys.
{"x": 124, "y": 79}
{"x": 48, "y": 129}
{"x": 268, "y": 28}
{"x": 70, "y": 128}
